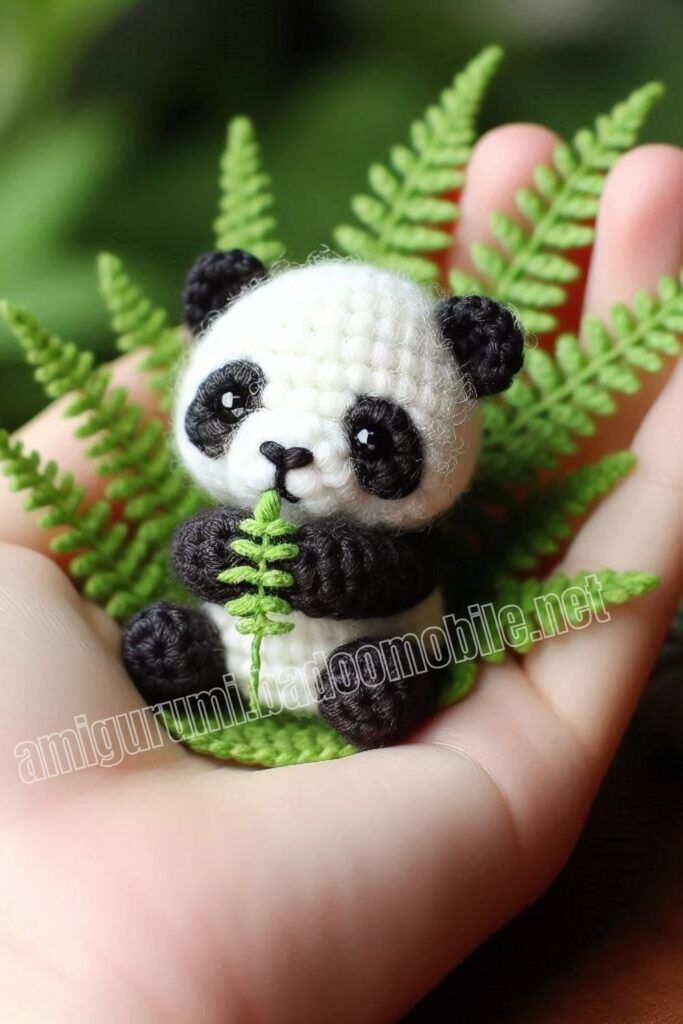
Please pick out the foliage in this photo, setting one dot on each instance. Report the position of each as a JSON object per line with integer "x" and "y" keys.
{"x": 117, "y": 548}
{"x": 119, "y": 572}
{"x": 556, "y": 399}
{"x": 139, "y": 324}
{"x": 244, "y": 220}
{"x": 261, "y": 546}
{"x": 530, "y": 270}
{"x": 409, "y": 213}
{"x": 542, "y": 609}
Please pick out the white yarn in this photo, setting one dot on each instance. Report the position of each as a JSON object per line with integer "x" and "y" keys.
{"x": 289, "y": 662}
{"x": 324, "y": 334}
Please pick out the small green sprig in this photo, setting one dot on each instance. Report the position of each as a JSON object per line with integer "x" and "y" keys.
{"x": 262, "y": 546}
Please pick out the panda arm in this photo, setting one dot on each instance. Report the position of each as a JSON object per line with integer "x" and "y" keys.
{"x": 347, "y": 571}
{"x": 201, "y": 550}
{"x": 343, "y": 570}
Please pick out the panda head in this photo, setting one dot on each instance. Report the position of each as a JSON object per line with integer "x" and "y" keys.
{"x": 344, "y": 386}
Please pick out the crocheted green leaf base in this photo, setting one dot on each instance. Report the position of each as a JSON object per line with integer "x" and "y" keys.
{"x": 273, "y": 742}
{"x": 286, "y": 738}
{"x": 504, "y": 526}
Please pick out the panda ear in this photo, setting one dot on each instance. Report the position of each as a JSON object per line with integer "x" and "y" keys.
{"x": 485, "y": 338}
{"x": 214, "y": 281}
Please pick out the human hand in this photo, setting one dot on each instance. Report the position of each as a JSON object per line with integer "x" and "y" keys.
{"x": 167, "y": 888}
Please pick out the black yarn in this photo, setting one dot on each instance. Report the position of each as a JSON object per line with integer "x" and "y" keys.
{"x": 214, "y": 280}
{"x": 371, "y": 706}
{"x": 385, "y": 447}
{"x": 208, "y": 422}
{"x": 171, "y": 651}
{"x": 201, "y": 550}
{"x": 485, "y": 338}
{"x": 346, "y": 570}
{"x": 343, "y": 570}
{"x": 285, "y": 459}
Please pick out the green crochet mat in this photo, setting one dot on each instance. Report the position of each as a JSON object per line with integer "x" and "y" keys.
{"x": 286, "y": 738}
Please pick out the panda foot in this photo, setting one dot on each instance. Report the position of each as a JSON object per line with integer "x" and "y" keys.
{"x": 172, "y": 651}
{"x": 360, "y": 696}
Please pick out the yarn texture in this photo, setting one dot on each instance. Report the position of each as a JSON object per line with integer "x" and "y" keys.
{"x": 349, "y": 393}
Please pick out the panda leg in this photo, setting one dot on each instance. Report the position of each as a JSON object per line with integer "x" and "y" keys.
{"x": 172, "y": 651}
{"x": 372, "y": 692}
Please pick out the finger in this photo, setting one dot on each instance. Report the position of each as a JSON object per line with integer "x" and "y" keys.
{"x": 52, "y": 435}
{"x": 57, "y": 672}
{"x": 502, "y": 162}
{"x": 639, "y": 239}
{"x": 593, "y": 677}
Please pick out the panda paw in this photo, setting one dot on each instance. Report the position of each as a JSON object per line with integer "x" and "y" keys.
{"x": 172, "y": 651}
{"x": 361, "y": 698}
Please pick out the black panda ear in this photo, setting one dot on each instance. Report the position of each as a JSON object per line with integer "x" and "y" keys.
{"x": 485, "y": 338}
{"x": 216, "y": 279}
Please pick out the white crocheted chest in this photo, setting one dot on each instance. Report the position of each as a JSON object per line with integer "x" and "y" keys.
{"x": 290, "y": 663}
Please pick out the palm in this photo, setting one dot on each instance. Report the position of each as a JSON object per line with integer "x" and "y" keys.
{"x": 168, "y": 888}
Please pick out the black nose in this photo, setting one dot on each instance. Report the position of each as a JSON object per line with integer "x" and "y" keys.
{"x": 286, "y": 458}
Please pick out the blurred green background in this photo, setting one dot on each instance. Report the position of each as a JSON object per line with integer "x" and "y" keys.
{"x": 112, "y": 115}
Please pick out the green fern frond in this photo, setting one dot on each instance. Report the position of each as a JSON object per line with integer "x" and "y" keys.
{"x": 556, "y": 398}
{"x": 261, "y": 546}
{"x": 139, "y": 324}
{"x": 538, "y": 526}
{"x": 529, "y": 270}
{"x": 547, "y": 608}
{"x": 404, "y": 217}
{"x": 59, "y": 366}
{"x": 119, "y": 572}
{"x": 245, "y": 220}
{"x": 133, "y": 451}
{"x": 498, "y": 533}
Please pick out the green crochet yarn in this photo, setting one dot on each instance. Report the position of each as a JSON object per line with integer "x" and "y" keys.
{"x": 557, "y": 398}
{"x": 409, "y": 213}
{"x": 530, "y": 272}
{"x": 262, "y": 546}
{"x": 285, "y": 738}
{"x": 245, "y": 220}
{"x": 509, "y": 520}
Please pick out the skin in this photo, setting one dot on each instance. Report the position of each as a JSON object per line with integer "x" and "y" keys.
{"x": 170, "y": 889}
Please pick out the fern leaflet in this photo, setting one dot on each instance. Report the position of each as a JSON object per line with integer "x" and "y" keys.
{"x": 139, "y": 324}
{"x": 261, "y": 546}
{"x": 528, "y": 270}
{"x": 133, "y": 451}
{"x": 556, "y": 398}
{"x": 405, "y": 216}
{"x": 547, "y": 608}
{"x": 245, "y": 220}
{"x": 119, "y": 572}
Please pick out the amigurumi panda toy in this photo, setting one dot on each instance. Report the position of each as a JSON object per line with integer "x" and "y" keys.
{"x": 351, "y": 391}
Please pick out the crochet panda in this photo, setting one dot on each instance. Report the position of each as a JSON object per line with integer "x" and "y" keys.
{"x": 352, "y": 392}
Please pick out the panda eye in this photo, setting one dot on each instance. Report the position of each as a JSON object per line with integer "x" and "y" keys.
{"x": 232, "y": 405}
{"x": 372, "y": 441}
{"x": 223, "y": 400}
{"x": 386, "y": 450}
